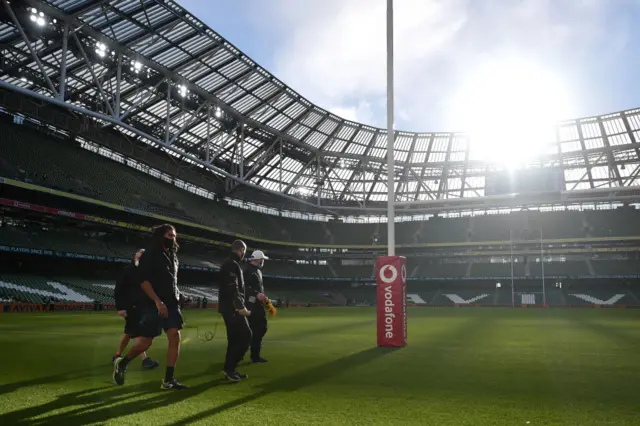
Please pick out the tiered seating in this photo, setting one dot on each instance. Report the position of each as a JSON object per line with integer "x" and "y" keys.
{"x": 569, "y": 268}
{"x": 17, "y": 237}
{"x": 616, "y": 267}
{"x": 464, "y": 297}
{"x": 55, "y": 163}
{"x": 442, "y": 230}
{"x": 351, "y": 233}
{"x": 360, "y": 295}
{"x": 360, "y": 271}
{"x": 9, "y": 291}
{"x": 491, "y": 269}
{"x": 54, "y": 240}
{"x": 302, "y": 296}
{"x": 32, "y": 289}
{"x": 490, "y": 228}
{"x": 436, "y": 269}
{"x": 608, "y": 223}
{"x": 35, "y": 289}
{"x": 96, "y": 289}
{"x": 567, "y": 224}
{"x": 408, "y": 232}
{"x": 555, "y": 297}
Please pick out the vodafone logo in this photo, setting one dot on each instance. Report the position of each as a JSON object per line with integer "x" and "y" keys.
{"x": 404, "y": 273}
{"x": 394, "y": 274}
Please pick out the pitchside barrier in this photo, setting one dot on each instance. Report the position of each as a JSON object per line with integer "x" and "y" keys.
{"x": 391, "y": 273}
{"x": 68, "y": 307}
{"x": 390, "y": 324}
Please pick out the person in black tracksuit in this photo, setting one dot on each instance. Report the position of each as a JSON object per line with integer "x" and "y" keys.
{"x": 231, "y": 305}
{"x": 159, "y": 304}
{"x": 254, "y": 293}
{"x": 127, "y": 296}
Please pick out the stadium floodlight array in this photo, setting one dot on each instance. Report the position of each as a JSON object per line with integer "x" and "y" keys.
{"x": 101, "y": 49}
{"x": 37, "y": 17}
{"x": 136, "y": 66}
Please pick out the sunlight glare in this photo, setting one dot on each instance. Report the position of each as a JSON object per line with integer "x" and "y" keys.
{"x": 510, "y": 111}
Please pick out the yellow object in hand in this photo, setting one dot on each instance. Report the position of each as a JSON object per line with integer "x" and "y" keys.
{"x": 271, "y": 310}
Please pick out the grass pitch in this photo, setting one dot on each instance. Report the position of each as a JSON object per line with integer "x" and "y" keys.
{"x": 461, "y": 367}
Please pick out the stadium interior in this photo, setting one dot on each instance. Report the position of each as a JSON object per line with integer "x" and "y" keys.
{"x": 119, "y": 116}
{"x": 579, "y": 246}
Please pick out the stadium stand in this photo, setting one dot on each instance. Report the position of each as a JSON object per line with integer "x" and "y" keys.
{"x": 60, "y": 165}
{"x": 108, "y": 244}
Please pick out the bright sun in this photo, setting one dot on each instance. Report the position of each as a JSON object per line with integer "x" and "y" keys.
{"x": 510, "y": 109}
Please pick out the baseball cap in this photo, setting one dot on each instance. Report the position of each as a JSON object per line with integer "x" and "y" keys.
{"x": 258, "y": 255}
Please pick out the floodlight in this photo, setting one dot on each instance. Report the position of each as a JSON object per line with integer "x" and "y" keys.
{"x": 136, "y": 66}
{"x": 218, "y": 112}
{"x": 101, "y": 49}
{"x": 182, "y": 90}
{"x": 37, "y": 17}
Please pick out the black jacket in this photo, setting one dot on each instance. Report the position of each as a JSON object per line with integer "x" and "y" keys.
{"x": 230, "y": 285}
{"x": 160, "y": 268}
{"x": 253, "y": 285}
{"x": 127, "y": 292}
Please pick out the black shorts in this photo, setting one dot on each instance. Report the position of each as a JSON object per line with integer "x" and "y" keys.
{"x": 151, "y": 324}
{"x": 131, "y": 323}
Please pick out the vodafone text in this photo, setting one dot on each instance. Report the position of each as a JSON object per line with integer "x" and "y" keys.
{"x": 389, "y": 316}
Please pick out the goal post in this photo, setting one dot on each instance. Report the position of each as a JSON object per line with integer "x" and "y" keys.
{"x": 391, "y": 270}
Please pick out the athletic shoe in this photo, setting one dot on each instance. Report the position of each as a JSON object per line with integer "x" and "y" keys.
{"x": 232, "y": 376}
{"x": 172, "y": 385}
{"x": 118, "y": 373}
{"x": 242, "y": 375}
{"x": 149, "y": 364}
{"x": 259, "y": 360}
{"x": 113, "y": 359}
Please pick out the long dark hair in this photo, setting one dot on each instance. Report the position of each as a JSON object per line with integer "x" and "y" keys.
{"x": 158, "y": 233}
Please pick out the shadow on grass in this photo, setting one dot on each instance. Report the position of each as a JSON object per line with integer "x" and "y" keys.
{"x": 54, "y": 378}
{"x": 298, "y": 380}
{"x": 104, "y": 403}
{"x": 329, "y": 329}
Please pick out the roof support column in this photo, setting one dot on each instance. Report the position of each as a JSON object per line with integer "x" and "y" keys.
{"x": 116, "y": 107}
{"x": 63, "y": 64}
{"x": 242, "y": 126}
{"x": 168, "y": 124}
{"x": 280, "y": 164}
{"x": 208, "y": 147}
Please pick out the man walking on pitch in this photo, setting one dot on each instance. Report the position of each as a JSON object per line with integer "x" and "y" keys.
{"x": 254, "y": 291}
{"x": 231, "y": 304}
{"x": 159, "y": 307}
{"x": 127, "y": 296}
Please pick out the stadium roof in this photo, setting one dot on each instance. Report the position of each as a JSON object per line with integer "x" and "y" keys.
{"x": 153, "y": 71}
